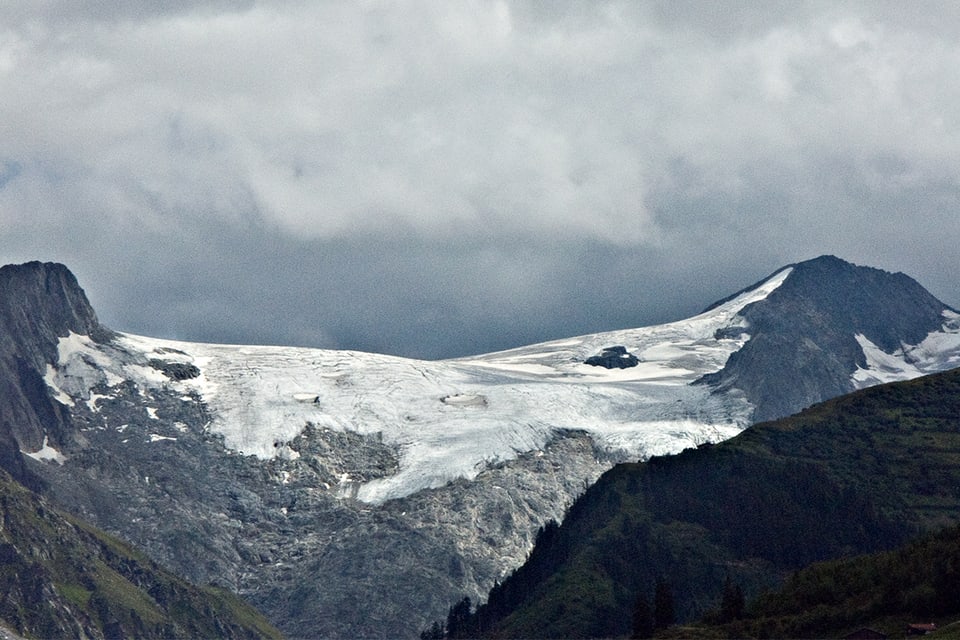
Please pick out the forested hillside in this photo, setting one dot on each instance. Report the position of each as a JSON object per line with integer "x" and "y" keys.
{"x": 862, "y": 473}
{"x": 918, "y": 583}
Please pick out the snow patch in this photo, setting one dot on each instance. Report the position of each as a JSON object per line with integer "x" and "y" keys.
{"x": 83, "y": 365}
{"x": 881, "y": 366}
{"x": 94, "y": 398}
{"x": 59, "y": 394}
{"x": 155, "y": 437}
{"x": 465, "y": 400}
{"x": 284, "y": 452}
{"x": 46, "y": 452}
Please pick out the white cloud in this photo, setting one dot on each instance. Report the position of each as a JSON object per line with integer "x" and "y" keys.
{"x": 328, "y": 119}
{"x": 335, "y": 119}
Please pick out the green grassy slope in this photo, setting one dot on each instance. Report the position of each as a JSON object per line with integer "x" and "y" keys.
{"x": 62, "y": 578}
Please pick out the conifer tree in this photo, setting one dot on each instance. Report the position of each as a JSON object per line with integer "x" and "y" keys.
{"x": 733, "y": 602}
{"x": 435, "y": 632}
{"x": 643, "y": 622}
{"x": 458, "y": 619}
{"x": 663, "y": 609}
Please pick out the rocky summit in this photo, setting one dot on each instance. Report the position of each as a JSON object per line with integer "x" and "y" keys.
{"x": 356, "y": 495}
{"x": 826, "y": 331}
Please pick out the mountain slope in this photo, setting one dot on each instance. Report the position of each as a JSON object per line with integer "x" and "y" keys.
{"x": 295, "y": 475}
{"x": 62, "y": 578}
{"x": 860, "y": 473}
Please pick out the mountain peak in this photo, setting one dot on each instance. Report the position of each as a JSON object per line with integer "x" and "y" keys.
{"x": 831, "y": 266}
{"x": 806, "y": 335}
{"x": 40, "y": 302}
{"x": 825, "y": 259}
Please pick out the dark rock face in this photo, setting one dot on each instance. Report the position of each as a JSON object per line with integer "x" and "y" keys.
{"x": 176, "y": 370}
{"x": 39, "y": 303}
{"x": 803, "y": 348}
{"x": 613, "y": 358}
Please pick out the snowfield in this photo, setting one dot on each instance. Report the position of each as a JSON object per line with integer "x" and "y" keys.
{"x": 453, "y": 418}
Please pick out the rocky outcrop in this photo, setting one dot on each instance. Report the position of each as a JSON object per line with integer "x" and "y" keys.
{"x": 803, "y": 348}
{"x": 39, "y": 303}
{"x": 64, "y": 579}
{"x": 613, "y": 358}
{"x": 176, "y": 370}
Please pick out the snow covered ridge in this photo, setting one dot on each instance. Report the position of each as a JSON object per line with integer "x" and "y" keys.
{"x": 453, "y": 418}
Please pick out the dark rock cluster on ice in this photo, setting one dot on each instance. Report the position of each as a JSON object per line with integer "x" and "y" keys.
{"x": 613, "y": 358}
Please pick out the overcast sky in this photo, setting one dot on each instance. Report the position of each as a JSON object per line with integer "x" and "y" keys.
{"x": 435, "y": 179}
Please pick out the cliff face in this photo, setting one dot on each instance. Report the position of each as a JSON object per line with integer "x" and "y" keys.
{"x": 39, "y": 303}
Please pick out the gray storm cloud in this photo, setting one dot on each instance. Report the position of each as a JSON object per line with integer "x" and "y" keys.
{"x": 516, "y": 170}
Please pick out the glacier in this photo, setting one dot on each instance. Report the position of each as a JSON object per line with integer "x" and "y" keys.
{"x": 451, "y": 419}
{"x": 939, "y": 351}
